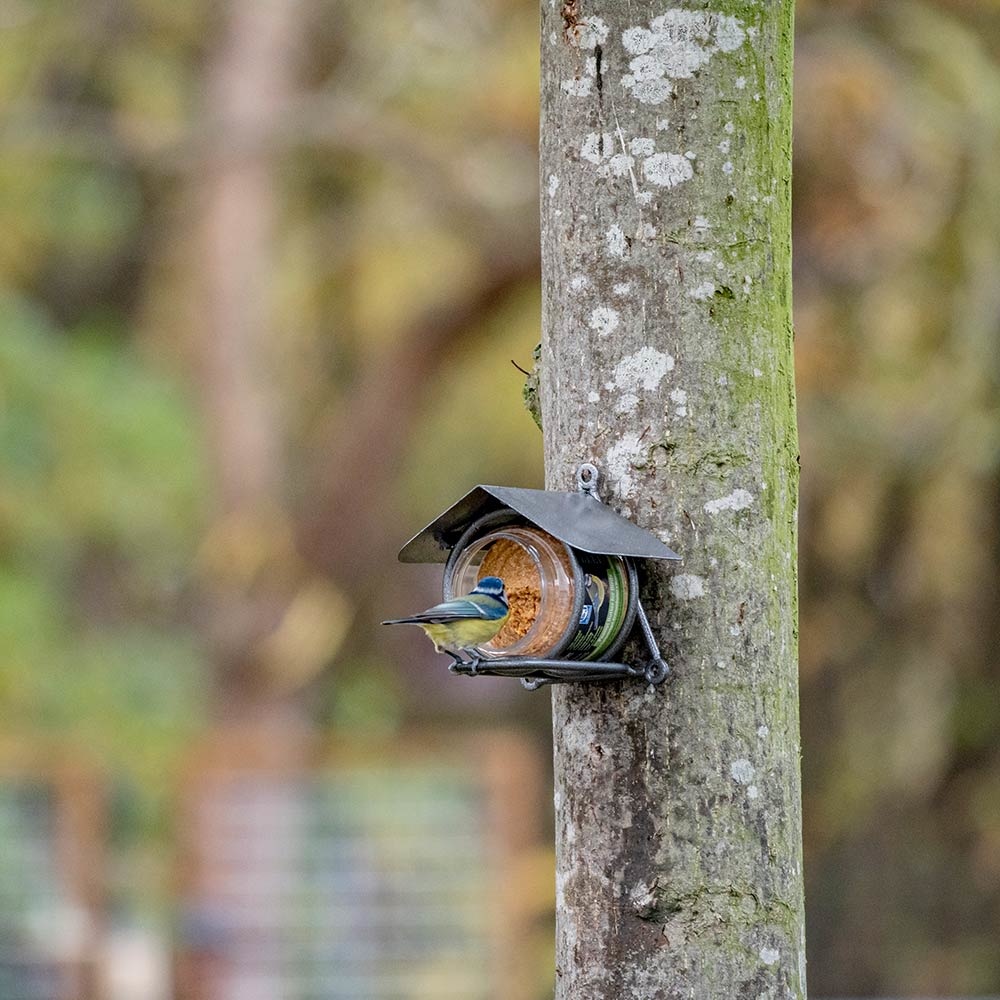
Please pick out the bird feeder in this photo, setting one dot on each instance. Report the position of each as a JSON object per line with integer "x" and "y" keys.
{"x": 569, "y": 564}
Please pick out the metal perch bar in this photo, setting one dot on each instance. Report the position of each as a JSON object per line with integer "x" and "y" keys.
{"x": 561, "y": 669}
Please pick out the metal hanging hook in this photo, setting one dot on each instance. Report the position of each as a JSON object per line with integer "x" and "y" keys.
{"x": 587, "y": 480}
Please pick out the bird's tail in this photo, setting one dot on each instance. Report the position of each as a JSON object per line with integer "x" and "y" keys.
{"x": 403, "y": 621}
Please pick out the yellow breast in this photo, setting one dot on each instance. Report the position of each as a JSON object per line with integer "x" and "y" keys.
{"x": 463, "y": 634}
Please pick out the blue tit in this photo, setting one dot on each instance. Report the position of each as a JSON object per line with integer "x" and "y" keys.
{"x": 464, "y": 622}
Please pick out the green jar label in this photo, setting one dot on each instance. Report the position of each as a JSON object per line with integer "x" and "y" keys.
{"x": 605, "y": 604}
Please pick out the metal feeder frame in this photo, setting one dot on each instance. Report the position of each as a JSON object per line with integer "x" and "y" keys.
{"x": 533, "y": 672}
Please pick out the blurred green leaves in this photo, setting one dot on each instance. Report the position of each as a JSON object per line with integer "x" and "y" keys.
{"x": 100, "y": 506}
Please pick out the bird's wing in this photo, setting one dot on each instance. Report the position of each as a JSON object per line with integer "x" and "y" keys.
{"x": 459, "y": 609}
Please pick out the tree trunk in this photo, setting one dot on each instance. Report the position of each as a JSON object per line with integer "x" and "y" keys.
{"x": 249, "y": 86}
{"x": 667, "y": 361}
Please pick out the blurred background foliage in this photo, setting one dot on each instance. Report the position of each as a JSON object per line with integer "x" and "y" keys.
{"x": 264, "y": 270}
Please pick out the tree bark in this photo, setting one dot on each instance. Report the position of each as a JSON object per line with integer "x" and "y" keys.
{"x": 667, "y": 361}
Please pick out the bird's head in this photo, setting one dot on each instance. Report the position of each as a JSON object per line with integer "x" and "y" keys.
{"x": 491, "y": 586}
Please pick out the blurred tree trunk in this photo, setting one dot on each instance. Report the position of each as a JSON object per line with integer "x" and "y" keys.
{"x": 249, "y": 83}
{"x": 667, "y": 360}
{"x": 248, "y": 88}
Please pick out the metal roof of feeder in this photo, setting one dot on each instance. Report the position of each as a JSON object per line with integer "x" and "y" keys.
{"x": 578, "y": 519}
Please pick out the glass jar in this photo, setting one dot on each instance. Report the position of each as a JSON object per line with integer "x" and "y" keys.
{"x": 563, "y": 603}
{"x": 537, "y": 572}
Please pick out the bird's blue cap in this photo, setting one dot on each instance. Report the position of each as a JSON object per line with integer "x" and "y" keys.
{"x": 492, "y": 586}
